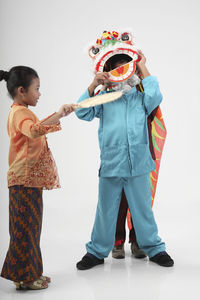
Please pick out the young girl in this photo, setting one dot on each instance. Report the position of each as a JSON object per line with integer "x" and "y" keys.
{"x": 31, "y": 169}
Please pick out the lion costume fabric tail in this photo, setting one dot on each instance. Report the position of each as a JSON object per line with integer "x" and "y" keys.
{"x": 158, "y": 137}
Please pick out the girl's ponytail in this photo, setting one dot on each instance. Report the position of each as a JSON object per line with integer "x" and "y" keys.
{"x": 4, "y": 75}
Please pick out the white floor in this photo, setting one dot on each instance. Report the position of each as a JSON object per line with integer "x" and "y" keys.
{"x": 128, "y": 278}
{"x": 62, "y": 244}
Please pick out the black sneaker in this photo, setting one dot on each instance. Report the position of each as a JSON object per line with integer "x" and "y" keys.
{"x": 162, "y": 259}
{"x": 89, "y": 261}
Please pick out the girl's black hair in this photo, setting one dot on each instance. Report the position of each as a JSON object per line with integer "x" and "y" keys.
{"x": 18, "y": 76}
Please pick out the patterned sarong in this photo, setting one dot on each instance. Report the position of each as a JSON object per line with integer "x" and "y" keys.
{"x": 23, "y": 260}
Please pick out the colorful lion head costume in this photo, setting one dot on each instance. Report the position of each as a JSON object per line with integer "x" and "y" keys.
{"x": 111, "y": 47}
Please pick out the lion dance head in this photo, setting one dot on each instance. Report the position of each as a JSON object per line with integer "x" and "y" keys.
{"x": 113, "y": 47}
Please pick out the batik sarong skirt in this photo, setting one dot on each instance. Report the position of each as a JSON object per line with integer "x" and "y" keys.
{"x": 23, "y": 260}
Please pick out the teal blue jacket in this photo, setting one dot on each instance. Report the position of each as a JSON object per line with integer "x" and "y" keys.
{"x": 123, "y": 132}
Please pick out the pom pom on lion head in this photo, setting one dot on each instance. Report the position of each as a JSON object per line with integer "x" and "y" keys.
{"x": 113, "y": 47}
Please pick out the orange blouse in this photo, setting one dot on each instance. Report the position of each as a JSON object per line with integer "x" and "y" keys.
{"x": 30, "y": 160}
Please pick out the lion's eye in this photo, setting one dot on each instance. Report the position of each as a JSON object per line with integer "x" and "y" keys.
{"x": 94, "y": 50}
{"x": 126, "y": 37}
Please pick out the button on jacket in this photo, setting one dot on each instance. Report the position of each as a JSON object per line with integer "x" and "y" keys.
{"x": 123, "y": 132}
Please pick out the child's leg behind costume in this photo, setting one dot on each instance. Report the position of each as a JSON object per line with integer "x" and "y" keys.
{"x": 103, "y": 234}
{"x": 118, "y": 251}
{"x": 120, "y": 235}
{"x": 138, "y": 193}
{"x": 132, "y": 235}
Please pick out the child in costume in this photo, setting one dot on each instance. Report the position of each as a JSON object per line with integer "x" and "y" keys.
{"x": 31, "y": 169}
{"x": 125, "y": 156}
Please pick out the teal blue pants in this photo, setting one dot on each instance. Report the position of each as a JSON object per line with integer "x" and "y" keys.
{"x": 138, "y": 194}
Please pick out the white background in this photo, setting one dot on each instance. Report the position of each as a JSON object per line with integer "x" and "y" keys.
{"x": 51, "y": 36}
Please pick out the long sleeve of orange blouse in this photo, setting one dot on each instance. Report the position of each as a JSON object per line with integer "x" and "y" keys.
{"x": 26, "y": 123}
{"x": 30, "y": 160}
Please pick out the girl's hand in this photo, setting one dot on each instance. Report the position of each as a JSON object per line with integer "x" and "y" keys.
{"x": 100, "y": 78}
{"x": 66, "y": 109}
